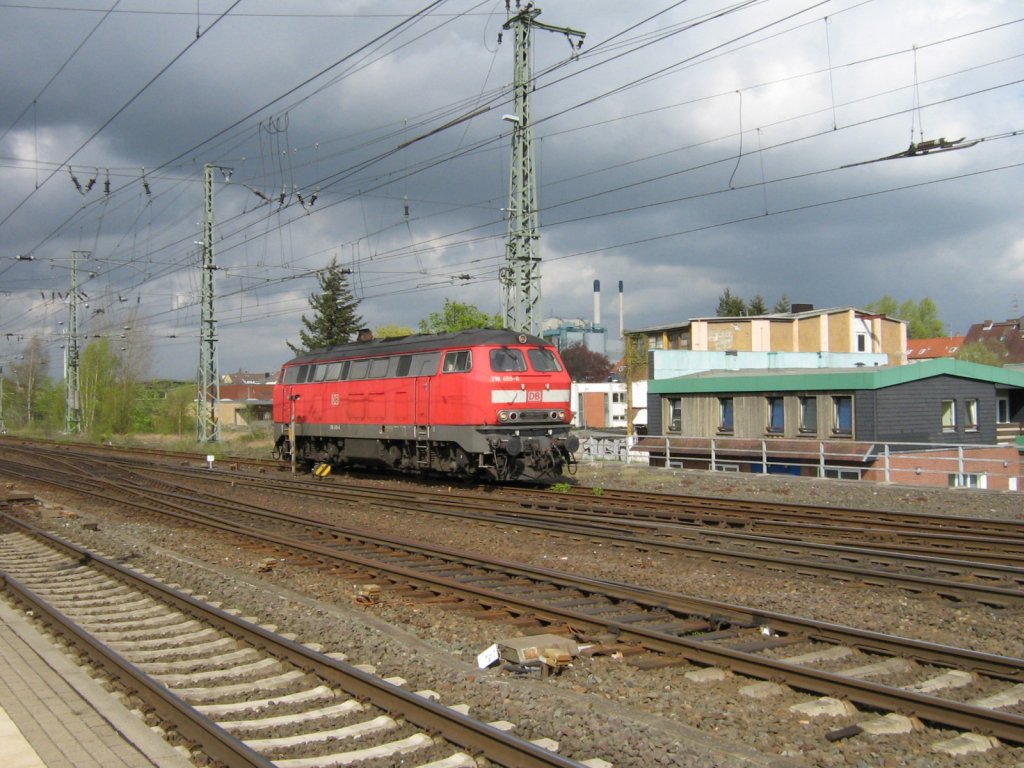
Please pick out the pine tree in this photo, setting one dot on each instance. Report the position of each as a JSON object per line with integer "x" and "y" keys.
{"x": 334, "y": 319}
{"x": 757, "y": 306}
{"x": 730, "y": 306}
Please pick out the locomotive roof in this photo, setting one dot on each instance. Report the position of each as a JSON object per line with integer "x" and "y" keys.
{"x": 421, "y": 342}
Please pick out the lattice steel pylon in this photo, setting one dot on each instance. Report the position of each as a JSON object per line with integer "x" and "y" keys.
{"x": 208, "y": 379}
{"x": 520, "y": 278}
{"x": 72, "y": 379}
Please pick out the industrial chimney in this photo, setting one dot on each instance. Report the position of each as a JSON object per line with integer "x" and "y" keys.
{"x": 597, "y": 303}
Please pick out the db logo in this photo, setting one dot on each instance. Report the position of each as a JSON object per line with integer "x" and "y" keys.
{"x": 335, "y": 399}
{"x": 533, "y": 397}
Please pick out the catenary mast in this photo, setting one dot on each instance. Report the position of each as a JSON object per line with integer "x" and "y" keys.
{"x": 208, "y": 379}
{"x": 520, "y": 277}
{"x": 72, "y": 404}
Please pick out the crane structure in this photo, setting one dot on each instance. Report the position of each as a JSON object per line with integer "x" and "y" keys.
{"x": 520, "y": 277}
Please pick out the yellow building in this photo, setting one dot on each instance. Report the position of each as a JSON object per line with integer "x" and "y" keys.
{"x": 839, "y": 329}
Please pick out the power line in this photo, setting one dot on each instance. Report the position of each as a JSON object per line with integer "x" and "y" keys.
{"x": 116, "y": 114}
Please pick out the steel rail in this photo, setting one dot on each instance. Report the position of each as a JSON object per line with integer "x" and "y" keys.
{"x": 985, "y": 593}
{"x": 956, "y": 534}
{"x": 192, "y": 724}
{"x": 1004, "y": 725}
{"x": 478, "y": 737}
{"x": 701, "y": 505}
{"x": 984, "y": 548}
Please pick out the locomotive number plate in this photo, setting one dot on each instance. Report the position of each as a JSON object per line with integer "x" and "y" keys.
{"x": 335, "y": 399}
{"x": 534, "y": 397}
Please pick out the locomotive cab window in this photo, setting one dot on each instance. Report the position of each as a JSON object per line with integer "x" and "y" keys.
{"x": 543, "y": 361}
{"x": 357, "y": 369}
{"x": 507, "y": 361}
{"x": 458, "y": 362}
{"x": 424, "y": 363}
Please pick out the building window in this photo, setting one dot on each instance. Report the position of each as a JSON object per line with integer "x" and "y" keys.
{"x": 809, "y": 414}
{"x": 1003, "y": 410}
{"x": 675, "y": 414}
{"x": 776, "y": 415}
{"x": 967, "y": 480}
{"x": 841, "y": 473}
{"x": 971, "y": 415}
{"x": 862, "y": 342}
{"x": 842, "y": 415}
{"x": 725, "y": 414}
{"x": 949, "y": 415}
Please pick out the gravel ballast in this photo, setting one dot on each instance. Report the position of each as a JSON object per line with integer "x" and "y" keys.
{"x": 602, "y": 706}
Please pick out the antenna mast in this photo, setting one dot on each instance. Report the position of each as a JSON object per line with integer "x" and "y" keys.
{"x": 520, "y": 277}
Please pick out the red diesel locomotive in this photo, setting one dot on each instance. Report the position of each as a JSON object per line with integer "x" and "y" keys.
{"x": 487, "y": 403}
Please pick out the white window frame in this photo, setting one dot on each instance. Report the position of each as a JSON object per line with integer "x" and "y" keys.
{"x": 971, "y": 415}
{"x": 723, "y": 427}
{"x": 968, "y": 480}
{"x": 837, "y": 429}
{"x": 805, "y": 401}
{"x": 948, "y": 415}
{"x": 1003, "y": 410}
{"x": 770, "y": 427}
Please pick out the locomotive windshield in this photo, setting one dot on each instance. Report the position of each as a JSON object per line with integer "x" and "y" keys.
{"x": 507, "y": 361}
{"x": 544, "y": 360}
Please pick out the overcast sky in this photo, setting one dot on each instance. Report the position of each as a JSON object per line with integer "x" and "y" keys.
{"x": 686, "y": 148}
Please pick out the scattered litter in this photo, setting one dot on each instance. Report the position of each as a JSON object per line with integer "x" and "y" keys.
{"x": 488, "y": 657}
{"x": 545, "y": 654}
{"x": 367, "y": 594}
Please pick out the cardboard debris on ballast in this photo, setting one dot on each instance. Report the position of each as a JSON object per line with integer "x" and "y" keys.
{"x": 551, "y": 649}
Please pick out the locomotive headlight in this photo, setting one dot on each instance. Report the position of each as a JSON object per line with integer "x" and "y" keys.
{"x": 561, "y": 415}
{"x": 502, "y": 415}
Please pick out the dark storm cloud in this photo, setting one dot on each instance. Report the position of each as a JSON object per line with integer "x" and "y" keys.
{"x": 682, "y": 163}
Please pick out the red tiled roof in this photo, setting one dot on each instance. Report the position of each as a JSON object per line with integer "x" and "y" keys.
{"x": 1008, "y": 335}
{"x": 928, "y": 349}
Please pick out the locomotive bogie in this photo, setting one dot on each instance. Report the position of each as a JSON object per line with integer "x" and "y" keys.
{"x": 475, "y": 403}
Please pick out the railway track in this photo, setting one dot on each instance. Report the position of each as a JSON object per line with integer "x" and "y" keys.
{"x": 997, "y": 542}
{"x": 236, "y": 692}
{"x": 997, "y": 584}
{"x": 938, "y": 684}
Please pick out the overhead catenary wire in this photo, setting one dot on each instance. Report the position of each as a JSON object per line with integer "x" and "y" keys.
{"x": 383, "y": 180}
